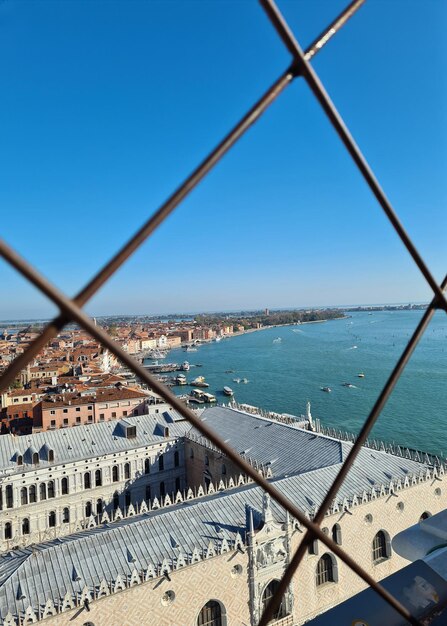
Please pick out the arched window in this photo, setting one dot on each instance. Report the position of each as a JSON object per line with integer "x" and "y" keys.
{"x": 87, "y": 480}
{"x": 64, "y": 485}
{"x": 126, "y": 471}
{"x": 161, "y": 463}
{"x": 425, "y": 515}
{"x": 313, "y": 547}
{"x": 224, "y": 469}
{"x": 211, "y": 614}
{"x": 66, "y": 515}
{"x": 147, "y": 466}
{"x": 50, "y": 456}
{"x": 116, "y": 500}
{"x": 336, "y": 534}
{"x": 266, "y": 597}
{"x": 8, "y": 530}
{"x": 381, "y": 547}
{"x": 162, "y": 488}
{"x": 25, "y": 526}
{"x": 51, "y": 489}
{"x": 43, "y": 491}
{"x": 35, "y": 458}
{"x": 99, "y": 506}
{"x": 19, "y": 459}
{"x": 52, "y": 519}
{"x": 176, "y": 459}
{"x": 326, "y": 570}
{"x": 88, "y": 509}
{"x": 115, "y": 474}
{"x": 9, "y": 497}
{"x": 24, "y": 495}
{"x": 207, "y": 461}
{"x": 98, "y": 478}
{"x": 32, "y": 493}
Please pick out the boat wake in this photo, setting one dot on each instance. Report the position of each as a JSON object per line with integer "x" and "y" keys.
{"x": 353, "y": 348}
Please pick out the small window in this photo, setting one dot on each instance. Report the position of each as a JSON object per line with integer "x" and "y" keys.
{"x": 51, "y": 456}
{"x": 101, "y": 417}
{"x": 52, "y": 519}
{"x": 88, "y": 509}
{"x": 65, "y": 421}
{"x": 124, "y": 413}
{"x": 325, "y": 570}
{"x": 53, "y": 423}
{"x": 78, "y": 408}
{"x": 66, "y": 515}
{"x": 35, "y": 458}
{"x": 78, "y": 419}
{"x": 98, "y": 478}
{"x": 127, "y": 471}
{"x": 90, "y": 418}
{"x": 113, "y": 413}
{"x": 115, "y": 474}
{"x": 313, "y": 547}
{"x": 32, "y": 493}
{"x": 425, "y": 515}
{"x": 51, "y": 489}
{"x": 87, "y": 480}
{"x": 336, "y": 534}
{"x": 24, "y": 495}
{"x": 65, "y": 411}
{"x": 381, "y": 547}
{"x": 147, "y": 466}
{"x": 64, "y": 486}
{"x": 20, "y": 460}
{"x": 25, "y": 526}
{"x": 52, "y": 413}
{"x": 90, "y": 408}
{"x": 43, "y": 491}
{"x": 8, "y": 530}
{"x": 9, "y": 497}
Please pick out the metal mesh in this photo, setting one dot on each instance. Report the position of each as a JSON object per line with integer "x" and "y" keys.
{"x": 70, "y": 309}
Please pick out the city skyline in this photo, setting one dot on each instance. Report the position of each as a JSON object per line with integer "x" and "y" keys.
{"x": 100, "y": 134}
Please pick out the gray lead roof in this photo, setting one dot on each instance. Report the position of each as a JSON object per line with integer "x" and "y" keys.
{"x": 49, "y": 570}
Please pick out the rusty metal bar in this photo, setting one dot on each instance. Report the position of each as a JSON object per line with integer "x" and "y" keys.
{"x": 52, "y": 329}
{"x": 275, "y": 600}
{"x": 71, "y": 310}
{"x": 304, "y": 69}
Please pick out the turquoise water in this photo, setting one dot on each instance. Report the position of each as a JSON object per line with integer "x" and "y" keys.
{"x": 284, "y": 375}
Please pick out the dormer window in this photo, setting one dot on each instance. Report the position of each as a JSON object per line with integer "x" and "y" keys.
{"x": 19, "y": 459}
{"x": 35, "y": 458}
{"x": 50, "y": 456}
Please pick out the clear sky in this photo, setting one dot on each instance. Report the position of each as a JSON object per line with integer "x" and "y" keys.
{"x": 107, "y": 106}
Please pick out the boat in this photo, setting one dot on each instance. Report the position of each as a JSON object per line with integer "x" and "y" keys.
{"x": 244, "y": 380}
{"x": 191, "y": 349}
{"x": 181, "y": 379}
{"x": 228, "y": 391}
{"x": 199, "y": 382}
{"x": 217, "y": 338}
{"x": 326, "y": 389}
{"x": 157, "y": 354}
{"x": 208, "y": 397}
{"x": 361, "y": 375}
{"x": 277, "y": 340}
{"x": 347, "y": 385}
{"x": 185, "y": 366}
{"x": 197, "y": 396}
{"x": 229, "y": 371}
{"x": 236, "y": 380}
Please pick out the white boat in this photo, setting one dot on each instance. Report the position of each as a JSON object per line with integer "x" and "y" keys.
{"x": 326, "y": 389}
{"x": 185, "y": 366}
{"x": 181, "y": 379}
{"x": 208, "y": 397}
{"x": 228, "y": 391}
{"x": 199, "y": 382}
{"x": 236, "y": 380}
{"x": 245, "y": 381}
{"x": 277, "y": 340}
{"x": 361, "y": 375}
{"x": 191, "y": 349}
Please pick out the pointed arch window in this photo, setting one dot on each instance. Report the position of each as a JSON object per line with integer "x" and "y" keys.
{"x": 66, "y": 515}
{"x": 381, "y": 547}
{"x": 268, "y": 592}
{"x": 43, "y": 491}
{"x": 87, "y": 480}
{"x": 126, "y": 471}
{"x": 24, "y": 495}
{"x": 98, "y": 478}
{"x": 88, "y": 509}
{"x": 32, "y": 493}
{"x": 25, "y": 526}
{"x": 9, "y": 497}
{"x": 211, "y": 614}
{"x": 115, "y": 474}
{"x": 326, "y": 570}
{"x": 8, "y": 530}
{"x": 51, "y": 489}
{"x": 52, "y": 519}
{"x": 147, "y": 466}
{"x": 64, "y": 486}
{"x": 336, "y": 534}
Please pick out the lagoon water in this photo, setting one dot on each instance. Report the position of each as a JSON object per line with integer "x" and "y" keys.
{"x": 284, "y": 375}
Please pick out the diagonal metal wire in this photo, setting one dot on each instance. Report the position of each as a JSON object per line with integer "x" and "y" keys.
{"x": 71, "y": 310}
{"x": 290, "y": 570}
{"x": 52, "y": 329}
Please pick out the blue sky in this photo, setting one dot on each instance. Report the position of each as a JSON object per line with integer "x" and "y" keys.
{"x": 107, "y": 106}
